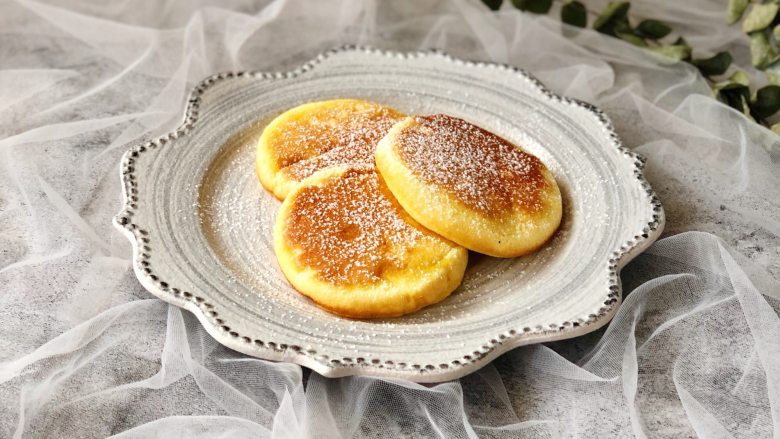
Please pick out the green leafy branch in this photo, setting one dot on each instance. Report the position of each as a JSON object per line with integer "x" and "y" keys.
{"x": 761, "y": 23}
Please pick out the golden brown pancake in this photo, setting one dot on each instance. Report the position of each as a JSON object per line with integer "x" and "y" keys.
{"x": 342, "y": 240}
{"x": 470, "y": 185}
{"x": 313, "y": 136}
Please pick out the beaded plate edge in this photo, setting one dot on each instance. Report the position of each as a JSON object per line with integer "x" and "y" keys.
{"x": 334, "y": 367}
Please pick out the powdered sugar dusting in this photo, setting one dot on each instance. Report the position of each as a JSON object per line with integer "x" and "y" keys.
{"x": 481, "y": 169}
{"x": 349, "y": 229}
{"x": 334, "y": 134}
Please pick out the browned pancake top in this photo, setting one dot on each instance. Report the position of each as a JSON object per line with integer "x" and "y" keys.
{"x": 349, "y": 228}
{"x": 484, "y": 171}
{"x": 340, "y": 134}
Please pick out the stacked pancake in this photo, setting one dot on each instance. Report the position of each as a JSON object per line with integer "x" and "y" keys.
{"x": 379, "y": 209}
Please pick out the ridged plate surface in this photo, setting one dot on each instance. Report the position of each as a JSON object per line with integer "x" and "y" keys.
{"x": 201, "y": 225}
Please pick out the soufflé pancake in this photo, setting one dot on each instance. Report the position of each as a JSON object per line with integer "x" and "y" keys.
{"x": 344, "y": 241}
{"x": 314, "y": 136}
{"x": 470, "y": 185}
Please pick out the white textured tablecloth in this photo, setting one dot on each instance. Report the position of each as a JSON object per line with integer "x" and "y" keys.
{"x": 85, "y": 351}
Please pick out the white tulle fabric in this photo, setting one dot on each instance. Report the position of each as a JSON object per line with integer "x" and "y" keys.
{"x": 85, "y": 351}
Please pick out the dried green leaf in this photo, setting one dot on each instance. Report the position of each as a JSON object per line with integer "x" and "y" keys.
{"x": 776, "y": 128}
{"x": 494, "y": 5}
{"x": 760, "y": 17}
{"x": 575, "y": 14}
{"x": 738, "y": 78}
{"x": 631, "y": 37}
{"x": 761, "y": 53}
{"x": 685, "y": 47}
{"x": 653, "y": 29}
{"x": 676, "y": 52}
{"x": 776, "y": 32}
{"x": 773, "y": 77}
{"x": 766, "y": 102}
{"x": 734, "y": 94}
{"x": 738, "y": 98}
{"x": 535, "y": 6}
{"x": 613, "y": 16}
{"x": 773, "y": 73}
{"x": 746, "y": 108}
{"x": 717, "y": 65}
{"x": 735, "y": 10}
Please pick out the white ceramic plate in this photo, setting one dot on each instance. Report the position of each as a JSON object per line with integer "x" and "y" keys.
{"x": 201, "y": 224}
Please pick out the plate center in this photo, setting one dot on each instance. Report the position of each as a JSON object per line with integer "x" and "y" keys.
{"x": 237, "y": 217}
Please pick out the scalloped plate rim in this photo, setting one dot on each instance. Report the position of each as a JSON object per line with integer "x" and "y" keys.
{"x": 122, "y": 222}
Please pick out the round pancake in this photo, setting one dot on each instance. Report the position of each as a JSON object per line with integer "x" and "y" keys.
{"x": 313, "y": 136}
{"x": 470, "y": 185}
{"x": 342, "y": 240}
